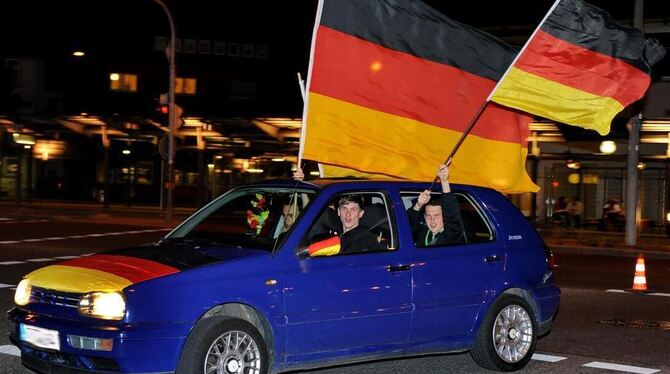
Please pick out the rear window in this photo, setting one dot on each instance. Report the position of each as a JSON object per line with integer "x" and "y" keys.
{"x": 475, "y": 224}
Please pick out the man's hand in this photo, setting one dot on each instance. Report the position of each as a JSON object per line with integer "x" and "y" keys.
{"x": 298, "y": 174}
{"x": 443, "y": 172}
{"x": 424, "y": 197}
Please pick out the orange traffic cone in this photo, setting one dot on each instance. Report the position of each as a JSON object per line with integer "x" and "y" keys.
{"x": 640, "y": 278}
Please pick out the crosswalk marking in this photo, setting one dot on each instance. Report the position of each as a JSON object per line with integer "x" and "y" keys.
{"x": 547, "y": 358}
{"x": 10, "y": 350}
{"x": 617, "y": 367}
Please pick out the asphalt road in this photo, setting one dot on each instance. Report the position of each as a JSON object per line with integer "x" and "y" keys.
{"x": 594, "y": 326}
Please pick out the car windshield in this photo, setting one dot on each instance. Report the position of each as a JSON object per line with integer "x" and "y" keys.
{"x": 253, "y": 218}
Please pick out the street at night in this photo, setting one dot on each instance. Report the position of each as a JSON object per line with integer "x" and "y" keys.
{"x": 596, "y": 326}
{"x": 334, "y": 186}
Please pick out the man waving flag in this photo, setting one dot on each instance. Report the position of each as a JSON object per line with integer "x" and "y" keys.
{"x": 580, "y": 68}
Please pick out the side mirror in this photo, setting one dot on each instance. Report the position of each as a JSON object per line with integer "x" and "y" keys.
{"x": 325, "y": 247}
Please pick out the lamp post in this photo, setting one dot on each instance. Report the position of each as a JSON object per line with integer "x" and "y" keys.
{"x": 171, "y": 116}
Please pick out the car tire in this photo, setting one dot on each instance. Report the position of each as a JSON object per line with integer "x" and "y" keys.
{"x": 234, "y": 345}
{"x": 507, "y": 337}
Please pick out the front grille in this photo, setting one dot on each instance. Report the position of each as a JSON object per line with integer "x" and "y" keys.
{"x": 44, "y": 296}
{"x": 61, "y": 362}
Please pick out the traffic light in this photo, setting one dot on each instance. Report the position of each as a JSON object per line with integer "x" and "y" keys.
{"x": 162, "y": 114}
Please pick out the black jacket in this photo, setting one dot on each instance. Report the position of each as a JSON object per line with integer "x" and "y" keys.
{"x": 359, "y": 239}
{"x": 451, "y": 216}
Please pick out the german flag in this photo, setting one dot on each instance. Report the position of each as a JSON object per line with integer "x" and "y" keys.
{"x": 327, "y": 247}
{"x": 392, "y": 86}
{"x": 101, "y": 272}
{"x": 580, "y": 68}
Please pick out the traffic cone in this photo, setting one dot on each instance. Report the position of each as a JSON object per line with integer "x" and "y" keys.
{"x": 640, "y": 278}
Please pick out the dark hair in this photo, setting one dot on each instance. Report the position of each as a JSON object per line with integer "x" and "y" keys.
{"x": 352, "y": 198}
{"x": 434, "y": 202}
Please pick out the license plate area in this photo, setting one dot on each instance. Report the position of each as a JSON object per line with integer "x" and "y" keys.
{"x": 39, "y": 337}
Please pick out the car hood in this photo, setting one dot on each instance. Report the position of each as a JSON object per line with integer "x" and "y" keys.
{"x": 116, "y": 270}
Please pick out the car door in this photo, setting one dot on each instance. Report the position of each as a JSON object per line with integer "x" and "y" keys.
{"x": 347, "y": 303}
{"x": 451, "y": 282}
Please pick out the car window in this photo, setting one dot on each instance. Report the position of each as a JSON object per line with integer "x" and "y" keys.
{"x": 351, "y": 222}
{"x": 476, "y": 226}
{"x": 247, "y": 218}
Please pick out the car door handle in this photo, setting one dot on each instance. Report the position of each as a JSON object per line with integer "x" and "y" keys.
{"x": 394, "y": 268}
{"x": 493, "y": 258}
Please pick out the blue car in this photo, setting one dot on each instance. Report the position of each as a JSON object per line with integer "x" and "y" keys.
{"x": 259, "y": 281}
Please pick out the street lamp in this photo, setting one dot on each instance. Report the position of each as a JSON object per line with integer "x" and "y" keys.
{"x": 607, "y": 147}
{"x": 171, "y": 115}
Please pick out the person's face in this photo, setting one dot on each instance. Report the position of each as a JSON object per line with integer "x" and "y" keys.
{"x": 350, "y": 214}
{"x": 433, "y": 217}
{"x": 287, "y": 212}
{"x": 288, "y": 220}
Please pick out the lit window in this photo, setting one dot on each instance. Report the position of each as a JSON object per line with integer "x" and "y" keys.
{"x": 185, "y": 86}
{"x": 123, "y": 82}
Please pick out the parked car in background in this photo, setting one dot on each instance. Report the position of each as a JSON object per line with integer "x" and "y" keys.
{"x": 234, "y": 289}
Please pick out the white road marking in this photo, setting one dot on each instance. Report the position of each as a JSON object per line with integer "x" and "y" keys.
{"x": 33, "y": 240}
{"x": 2, "y": 285}
{"x": 7, "y": 221}
{"x": 12, "y": 262}
{"x": 10, "y": 350}
{"x": 645, "y": 294}
{"x": 66, "y": 257}
{"x": 624, "y": 368}
{"x": 40, "y": 259}
{"x": 547, "y": 358}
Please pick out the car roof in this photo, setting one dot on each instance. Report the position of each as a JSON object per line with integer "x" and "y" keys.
{"x": 322, "y": 183}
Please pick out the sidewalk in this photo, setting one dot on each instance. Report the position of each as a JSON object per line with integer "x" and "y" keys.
{"x": 652, "y": 245}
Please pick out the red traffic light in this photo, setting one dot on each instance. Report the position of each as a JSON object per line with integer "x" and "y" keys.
{"x": 554, "y": 184}
{"x": 164, "y": 109}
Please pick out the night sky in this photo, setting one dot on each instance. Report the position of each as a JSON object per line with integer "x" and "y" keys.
{"x": 107, "y": 27}
{"x": 118, "y": 31}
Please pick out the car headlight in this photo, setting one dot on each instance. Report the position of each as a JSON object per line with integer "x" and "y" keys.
{"x": 22, "y": 294}
{"x": 105, "y": 305}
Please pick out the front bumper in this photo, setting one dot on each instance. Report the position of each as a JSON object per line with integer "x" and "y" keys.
{"x": 141, "y": 348}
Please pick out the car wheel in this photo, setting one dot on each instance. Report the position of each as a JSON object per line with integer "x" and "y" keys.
{"x": 224, "y": 346}
{"x": 507, "y": 337}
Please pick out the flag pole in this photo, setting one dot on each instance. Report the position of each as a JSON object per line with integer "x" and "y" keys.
{"x": 304, "y": 89}
{"x": 551, "y": 10}
{"x": 488, "y": 99}
{"x": 301, "y": 84}
{"x": 462, "y": 138}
